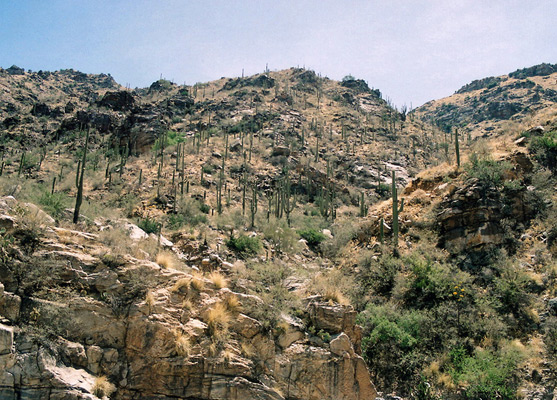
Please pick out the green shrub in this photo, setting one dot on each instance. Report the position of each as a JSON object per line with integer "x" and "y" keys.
{"x": 281, "y": 236}
{"x": 545, "y": 149}
{"x": 188, "y": 213}
{"x": 394, "y": 344}
{"x": 486, "y": 170}
{"x": 378, "y": 275}
{"x": 244, "y": 245}
{"x": 53, "y": 204}
{"x": 149, "y": 225}
{"x": 312, "y": 237}
{"x": 490, "y": 374}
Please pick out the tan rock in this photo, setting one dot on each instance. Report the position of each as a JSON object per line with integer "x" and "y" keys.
{"x": 6, "y": 339}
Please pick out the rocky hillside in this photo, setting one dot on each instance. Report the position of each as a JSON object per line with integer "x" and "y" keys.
{"x": 486, "y": 106}
{"x": 238, "y": 240}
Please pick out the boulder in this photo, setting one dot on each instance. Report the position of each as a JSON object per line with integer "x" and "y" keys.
{"x": 119, "y": 101}
{"x": 6, "y": 339}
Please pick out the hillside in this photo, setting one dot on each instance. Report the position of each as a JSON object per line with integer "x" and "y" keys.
{"x": 493, "y": 105}
{"x": 236, "y": 239}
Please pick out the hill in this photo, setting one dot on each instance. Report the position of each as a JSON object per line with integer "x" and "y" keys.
{"x": 237, "y": 239}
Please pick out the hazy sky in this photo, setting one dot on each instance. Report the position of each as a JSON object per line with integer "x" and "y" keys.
{"x": 412, "y": 50}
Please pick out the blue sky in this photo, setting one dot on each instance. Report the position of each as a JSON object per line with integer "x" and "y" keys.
{"x": 412, "y": 50}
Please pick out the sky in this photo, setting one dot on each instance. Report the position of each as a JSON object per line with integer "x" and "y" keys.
{"x": 412, "y": 50}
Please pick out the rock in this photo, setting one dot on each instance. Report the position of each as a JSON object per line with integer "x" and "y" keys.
{"x": 335, "y": 319}
{"x": 246, "y": 326}
{"x": 235, "y": 145}
{"x": 118, "y": 101}
{"x": 281, "y": 151}
{"x": 341, "y": 344}
{"x": 10, "y": 306}
{"x": 164, "y": 242}
{"x": 309, "y": 373}
{"x": 522, "y": 141}
{"x": 216, "y": 154}
{"x": 39, "y": 215}
{"x": 552, "y": 305}
{"x": 72, "y": 353}
{"x": 94, "y": 357}
{"x": 6, "y": 339}
{"x": 327, "y": 233}
{"x": 135, "y": 232}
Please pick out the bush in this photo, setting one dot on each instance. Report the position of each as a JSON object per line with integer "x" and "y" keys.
{"x": 189, "y": 212}
{"x": 244, "y": 245}
{"x": 149, "y": 225}
{"x": 491, "y": 374}
{"x": 394, "y": 344}
{"x": 379, "y": 274}
{"x": 312, "y": 237}
{"x": 53, "y": 204}
{"x": 281, "y": 236}
{"x": 488, "y": 171}
{"x": 545, "y": 149}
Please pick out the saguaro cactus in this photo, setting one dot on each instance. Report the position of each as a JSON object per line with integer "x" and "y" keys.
{"x": 396, "y": 210}
{"x": 79, "y": 197}
{"x": 457, "y": 148}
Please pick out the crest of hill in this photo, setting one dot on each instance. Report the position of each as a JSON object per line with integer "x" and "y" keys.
{"x": 491, "y": 105}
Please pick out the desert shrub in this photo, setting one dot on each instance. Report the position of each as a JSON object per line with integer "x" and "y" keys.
{"x": 218, "y": 279}
{"x": 513, "y": 299}
{"x": 394, "y": 344}
{"x": 342, "y": 234}
{"x": 167, "y": 259}
{"x": 378, "y": 275}
{"x": 486, "y": 170}
{"x": 312, "y": 236}
{"x": 188, "y": 213}
{"x": 54, "y": 204}
{"x": 218, "y": 320}
{"x": 281, "y": 236}
{"x": 550, "y": 336}
{"x": 244, "y": 245}
{"x": 490, "y": 374}
{"x": 269, "y": 278}
{"x": 545, "y": 149}
{"x": 428, "y": 283}
{"x": 149, "y": 225}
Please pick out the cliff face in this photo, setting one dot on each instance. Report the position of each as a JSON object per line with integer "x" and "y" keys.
{"x": 73, "y": 314}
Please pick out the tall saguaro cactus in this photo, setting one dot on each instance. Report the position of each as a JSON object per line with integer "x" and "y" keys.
{"x": 457, "y": 148}
{"x": 396, "y": 210}
{"x": 79, "y": 197}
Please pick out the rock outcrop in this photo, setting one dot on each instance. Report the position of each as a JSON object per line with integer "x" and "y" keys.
{"x": 148, "y": 331}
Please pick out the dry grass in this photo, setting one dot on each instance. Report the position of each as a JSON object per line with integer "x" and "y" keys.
{"x": 197, "y": 281}
{"x": 218, "y": 319}
{"x": 227, "y": 355}
{"x": 102, "y": 387}
{"x": 218, "y": 279}
{"x": 332, "y": 285}
{"x": 182, "y": 344}
{"x": 233, "y": 304}
{"x": 335, "y": 295}
{"x": 167, "y": 260}
{"x": 182, "y": 285}
{"x": 187, "y": 304}
{"x": 150, "y": 301}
